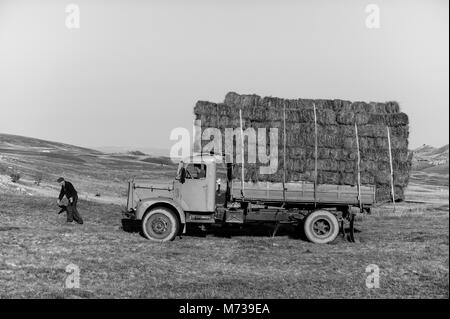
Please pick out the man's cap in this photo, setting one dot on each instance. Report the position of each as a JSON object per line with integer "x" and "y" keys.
{"x": 59, "y": 180}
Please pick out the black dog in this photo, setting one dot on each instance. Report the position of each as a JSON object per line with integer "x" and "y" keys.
{"x": 63, "y": 208}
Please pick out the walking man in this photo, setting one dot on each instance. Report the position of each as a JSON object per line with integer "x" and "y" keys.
{"x": 69, "y": 191}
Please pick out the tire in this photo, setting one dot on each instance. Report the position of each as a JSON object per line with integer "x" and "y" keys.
{"x": 160, "y": 224}
{"x": 321, "y": 227}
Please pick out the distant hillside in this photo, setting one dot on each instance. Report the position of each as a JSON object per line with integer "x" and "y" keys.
{"x": 426, "y": 157}
{"x": 430, "y": 165}
{"x": 38, "y": 163}
{"x": 10, "y": 143}
{"x": 154, "y": 151}
{"x": 441, "y": 151}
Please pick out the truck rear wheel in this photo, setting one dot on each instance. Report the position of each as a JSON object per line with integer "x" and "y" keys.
{"x": 321, "y": 227}
{"x": 160, "y": 224}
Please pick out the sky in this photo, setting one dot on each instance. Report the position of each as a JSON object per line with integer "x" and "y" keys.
{"x": 133, "y": 70}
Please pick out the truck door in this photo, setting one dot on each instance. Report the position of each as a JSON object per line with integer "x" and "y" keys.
{"x": 197, "y": 193}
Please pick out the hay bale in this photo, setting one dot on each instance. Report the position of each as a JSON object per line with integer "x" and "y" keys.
{"x": 341, "y": 105}
{"x": 234, "y": 99}
{"x": 392, "y": 107}
{"x": 361, "y": 107}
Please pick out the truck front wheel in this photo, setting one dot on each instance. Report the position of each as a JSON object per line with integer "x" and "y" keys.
{"x": 160, "y": 224}
{"x": 321, "y": 227}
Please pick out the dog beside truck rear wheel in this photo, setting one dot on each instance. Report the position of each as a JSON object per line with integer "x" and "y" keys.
{"x": 194, "y": 197}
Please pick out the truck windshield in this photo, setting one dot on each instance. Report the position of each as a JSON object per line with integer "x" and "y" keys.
{"x": 193, "y": 171}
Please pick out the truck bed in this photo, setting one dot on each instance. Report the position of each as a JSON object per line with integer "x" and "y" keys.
{"x": 303, "y": 193}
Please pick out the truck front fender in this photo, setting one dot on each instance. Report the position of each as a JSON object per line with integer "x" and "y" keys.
{"x": 146, "y": 204}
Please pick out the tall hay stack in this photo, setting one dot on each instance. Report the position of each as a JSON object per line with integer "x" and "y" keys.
{"x": 337, "y": 151}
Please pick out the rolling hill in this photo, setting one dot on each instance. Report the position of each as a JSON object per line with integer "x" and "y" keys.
{"x": 16, "y": 142}
{"x": 430, "y": 165}
{"x": 427, "y": 155}
{"x": 154, "y": 151}
{"x": 96, "y": 173}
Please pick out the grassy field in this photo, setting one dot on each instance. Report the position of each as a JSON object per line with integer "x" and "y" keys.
{"x": 411, "y": 249}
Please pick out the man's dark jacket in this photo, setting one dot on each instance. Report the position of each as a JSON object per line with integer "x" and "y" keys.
{"x": 67, "y": 190}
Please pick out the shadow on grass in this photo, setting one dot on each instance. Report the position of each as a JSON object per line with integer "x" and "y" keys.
{"x": 225, "y": 231}
{"x": 292, "y": 231}
{"x": 131, "y": 226}
{"x": 8, "y": 228}
{"x": 248, "y": 230}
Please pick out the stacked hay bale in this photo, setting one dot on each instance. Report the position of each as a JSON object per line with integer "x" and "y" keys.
{"x": 337, "y": 149}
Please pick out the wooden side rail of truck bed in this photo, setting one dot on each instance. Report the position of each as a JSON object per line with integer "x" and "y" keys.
{"x": 302, "y": 193}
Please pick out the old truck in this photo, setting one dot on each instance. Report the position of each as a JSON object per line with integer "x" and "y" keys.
{"x": 195, "y": 197}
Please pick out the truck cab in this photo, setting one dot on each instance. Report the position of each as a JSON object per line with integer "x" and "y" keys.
{"x": 165, "y": 209}
{"x": 195, "y": 185}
